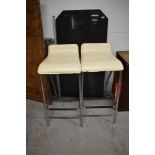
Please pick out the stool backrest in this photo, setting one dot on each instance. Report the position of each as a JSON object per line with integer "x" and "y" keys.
{"x": 96, "y": 47}
{"x": 61, "y": 48}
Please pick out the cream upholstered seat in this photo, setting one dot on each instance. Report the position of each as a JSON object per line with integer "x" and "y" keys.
{"x": 97, "y": 57}
{"x": 61, "y": 59}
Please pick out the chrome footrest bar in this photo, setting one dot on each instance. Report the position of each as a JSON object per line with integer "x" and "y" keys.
{"x": 95, "y": 107}
{"x": 74, "y": 109}
{"x": 77, "y": 117}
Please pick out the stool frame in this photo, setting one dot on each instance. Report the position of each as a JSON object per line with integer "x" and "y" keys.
{"x": 81, "y": 103}
{"x": 116, "y": 102}
{"x": 46, "y": 105}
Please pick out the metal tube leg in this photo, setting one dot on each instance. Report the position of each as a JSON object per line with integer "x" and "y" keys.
{"x": 117, "y": 97}
{"x": 45, "y": 108}
{"x": 58, "y": 85}
{"x": 80, "y": 100}
{"x": 79, "y": 80}
{"x": 53, "y": 86}
{"x": 82, "y": 79}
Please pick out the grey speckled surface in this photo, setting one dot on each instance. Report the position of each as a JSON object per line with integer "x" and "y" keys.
{"x": 65, "y": 137}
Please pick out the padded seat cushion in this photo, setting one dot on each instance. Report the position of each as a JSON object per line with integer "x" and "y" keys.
{"x": 61, "y": 59}
{"x": 96, "y": 57}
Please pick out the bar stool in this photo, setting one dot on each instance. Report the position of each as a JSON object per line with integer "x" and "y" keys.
{"x": 61, "y": 59}
{"x": 96, "y": 57}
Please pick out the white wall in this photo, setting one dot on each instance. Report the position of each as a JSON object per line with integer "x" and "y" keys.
{"x": 117, "y": 12}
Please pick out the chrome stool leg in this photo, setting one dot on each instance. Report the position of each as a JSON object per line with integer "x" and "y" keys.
{"x": 58, "y": 85}
{"x": 56, "y": 95}
{"x": 117, "y": 97}
{"x": 82, "y": 79}
{"x": 80, "y": 100}
{"x": 45, "y": 106}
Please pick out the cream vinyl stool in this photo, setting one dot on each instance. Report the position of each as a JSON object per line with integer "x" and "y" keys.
{"x": 96, "y": 57}
{"x": 61, "y": 59}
